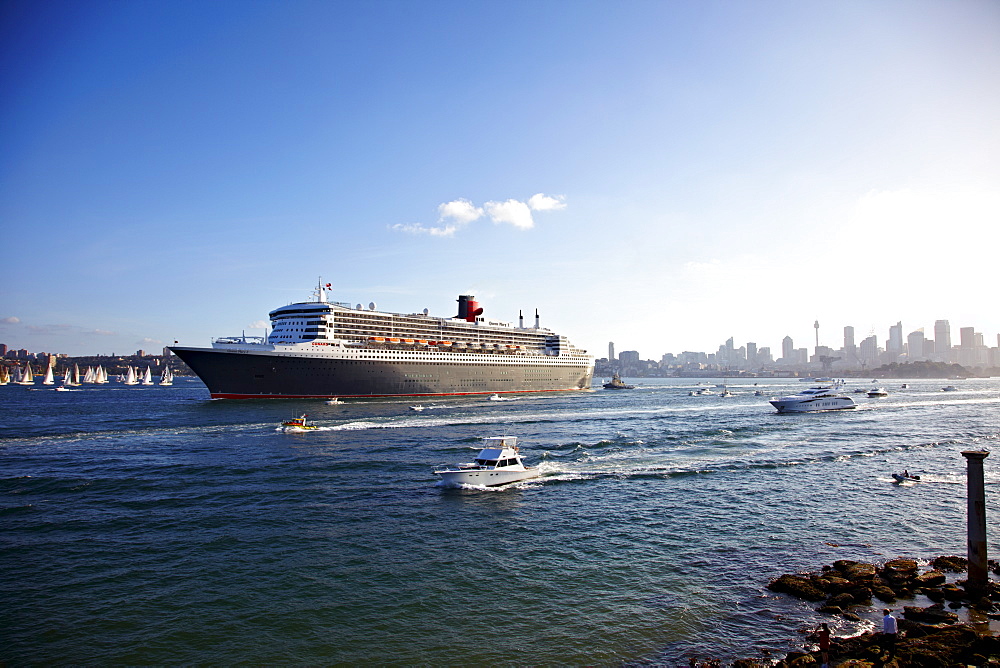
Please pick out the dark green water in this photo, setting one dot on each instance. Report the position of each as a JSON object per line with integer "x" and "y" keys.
{"x": 149, "y": 525}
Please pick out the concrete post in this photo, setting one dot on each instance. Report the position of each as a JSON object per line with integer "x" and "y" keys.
{"x": 977, "y": 522}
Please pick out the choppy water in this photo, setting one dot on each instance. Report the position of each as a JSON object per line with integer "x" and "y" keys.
{"x": 153, "y": 526}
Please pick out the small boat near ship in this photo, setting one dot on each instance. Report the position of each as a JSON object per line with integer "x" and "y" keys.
{"x": 877, "y": 392}
{"x": 949, "y": 388}
{"x": 334, "y": 402}
{"x": 616, "y": 383}
{"x": 905, "y": 477}
{"x": 298, "y": 424}
{"x": 819, "y": 398}
{"x": 499, "y": 463}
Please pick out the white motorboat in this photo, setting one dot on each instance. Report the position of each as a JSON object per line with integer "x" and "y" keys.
{"x": 877, "y": 392}
{"x": 334, "y": 402}
{"x": 499, "y": 463}
{"x": 819, "y": 398}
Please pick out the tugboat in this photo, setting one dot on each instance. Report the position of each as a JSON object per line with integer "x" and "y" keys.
{"x": 299, "y": 423}
{"x": 499, "y": 463}
{"x": 616, "y": 383}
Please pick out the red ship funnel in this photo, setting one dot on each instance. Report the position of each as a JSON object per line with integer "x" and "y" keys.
{"x": 473, "y": 311}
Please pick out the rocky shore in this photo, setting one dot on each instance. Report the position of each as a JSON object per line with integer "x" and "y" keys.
{"x": 928, "y": 636}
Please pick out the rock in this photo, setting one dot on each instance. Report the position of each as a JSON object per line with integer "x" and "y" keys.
{"x": 900, "y": 566}
{"x": 984, "y": 604}
{"x": 934, "y": 594}
{"x": 933, "y": 614}
{"x": 851, "y": 616}
{"x": 840, "y": 600}
{"x": 953, "y": 592}
{"x": 855, "y": 570}
{"x": 830, "y": 610}
{"x": 953, "y": 564}
{"x": 930, "y": 579}
{"x": 884, "y": 594}
{"x": 835, "y": 584}
{"x": 797, "y": 586}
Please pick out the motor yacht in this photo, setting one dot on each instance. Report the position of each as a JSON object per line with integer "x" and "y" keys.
{"x": 819, "y": 398}
{"x": 877, "y": 392}
{"x": 499, "y": 463}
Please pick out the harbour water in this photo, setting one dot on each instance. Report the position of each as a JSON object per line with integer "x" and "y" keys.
{"x": 150, "y": 525}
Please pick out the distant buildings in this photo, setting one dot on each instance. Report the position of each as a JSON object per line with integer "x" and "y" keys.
{"x": 942, "y": 337}
{"x": 971, "y": 353}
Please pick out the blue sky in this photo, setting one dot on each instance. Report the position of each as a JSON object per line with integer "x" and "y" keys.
{"x": 175, "y": 170}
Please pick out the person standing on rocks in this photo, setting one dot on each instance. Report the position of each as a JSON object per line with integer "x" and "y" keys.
{"x": 890, "y": 630}
{"x": 823, "y": 635}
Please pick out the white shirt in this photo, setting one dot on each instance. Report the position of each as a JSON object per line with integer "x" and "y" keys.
{"x": 888, "y": 624}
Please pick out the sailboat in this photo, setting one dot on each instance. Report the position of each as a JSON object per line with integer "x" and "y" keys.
{"x": 67, "y": 381}
{"x": 100, "y": 376}
{"x": 168, "y": 376}
{"x": 130, "y": 378}
{"x": 147, "y": 378}
{"x": 27, "y": 378}
{"x": 75, "y": 378}
{"x": 50, "y": 376}
{"x": 4, "y": 375}
{"x": 88, "y": 376}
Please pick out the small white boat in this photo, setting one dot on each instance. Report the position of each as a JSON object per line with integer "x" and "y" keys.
{"x": 877, "y": 392}
{"x": 905, "y": 477}
{"x": 334, "y": 402}
{"x": 418, "y": 407}
{"x": 820, "y": 398}
{"x": 497, "y": 397}
{"x": 949, "y": 388}
{"x": 499, "y": 463}
{"x": 725, "y": 392}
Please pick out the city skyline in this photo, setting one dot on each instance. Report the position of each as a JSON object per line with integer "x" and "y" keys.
{"x": 779, "y": 354}
{"x": 680, "y": 172}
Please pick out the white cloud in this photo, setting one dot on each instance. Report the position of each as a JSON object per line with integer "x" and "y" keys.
{"x": 146, "y": 340}
{"x": 417, "y": 228}
{"x": 512, "y": 211}
{"x": 462, "y": 211}
{"x": 541, "y": 202}
{"x": 456, "y": 214}
{"x": 12, "y": 320}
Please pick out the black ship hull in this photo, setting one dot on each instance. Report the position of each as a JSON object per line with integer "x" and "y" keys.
{"x": 252, "y": 375}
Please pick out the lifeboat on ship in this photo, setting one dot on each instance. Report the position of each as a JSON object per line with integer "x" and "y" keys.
{"x": 377, "y": 339}
{"x": 393, "y": 339}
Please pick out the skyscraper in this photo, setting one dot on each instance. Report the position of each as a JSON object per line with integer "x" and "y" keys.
{"x": 848, "y": 338}
{"x": 611, "y": 351}
{"x": 895, "y": 342}
{"x": 942, "y": 336}
{"x": 968, "y": 337}
{"x": 787, "y": 348}
{"x": 915, "y": 345}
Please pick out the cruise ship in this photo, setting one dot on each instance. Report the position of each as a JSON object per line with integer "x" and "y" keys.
{"x": 324, "y": 349}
